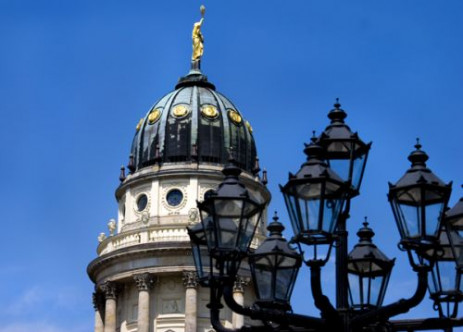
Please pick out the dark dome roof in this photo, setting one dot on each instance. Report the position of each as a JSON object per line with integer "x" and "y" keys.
{"x": 193, "y": 123}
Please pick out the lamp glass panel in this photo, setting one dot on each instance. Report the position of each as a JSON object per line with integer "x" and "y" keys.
{"x": 227, "y": 230}
{"x": 209, "y": 231}
{"x": 433, "y": 216}
{"x": 375, "y": 289}
{"x": 248, "y": 226}
{"x": 264, "y": 277}
{"x": 448, "y": 276}
{"x": 290, "y": 201}
{"x": 354, "y": 289}
{"x": 365, "y": 290}
{"x": 433, "y": 282}
{"x": 410, "y": 216}
{"x": 309, "y": 211}
{"x": 198, "y": 259}
{"x": 443, "y": 277}
{"x": 282, "y": 283}
{"x": 341, "y": 167}
{"x": 357, "y": 170}
{"x": 332, "y": 208}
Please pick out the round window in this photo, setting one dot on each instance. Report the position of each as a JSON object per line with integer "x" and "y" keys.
{"x": 174, "y": 197}
{"x": 142, "y": 202}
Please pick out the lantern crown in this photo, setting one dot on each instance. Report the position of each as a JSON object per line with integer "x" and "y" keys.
{"x": 366, "y": 250}
{"x": 419, "y": 172}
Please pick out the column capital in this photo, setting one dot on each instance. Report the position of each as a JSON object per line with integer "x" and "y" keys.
{"x": 240, "y": 283}
{"x": 109, "y": 288}
{"x": 144, "y": 281}
{"x": 98, "y": 300}
{"x": 190, "y": 279}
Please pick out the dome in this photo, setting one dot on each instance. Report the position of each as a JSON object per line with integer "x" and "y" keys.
{"x": 193, "y": 123}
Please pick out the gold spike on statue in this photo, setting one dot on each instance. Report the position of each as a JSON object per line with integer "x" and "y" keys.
{"x": 198, "y": 38}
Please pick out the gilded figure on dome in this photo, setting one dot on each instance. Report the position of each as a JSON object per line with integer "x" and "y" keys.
{"x": 198, "y": 39}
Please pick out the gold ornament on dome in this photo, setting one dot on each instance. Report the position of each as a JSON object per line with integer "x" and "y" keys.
{"x": 235, "y": 116}
{"x": 248, "y": 125}
{"x": 209, "y": 111}
{"x": 154, "y": 115}
{"x": 139, "y": 124}
{"x": 197, "y": 36}
{"x": 180, "y": 111}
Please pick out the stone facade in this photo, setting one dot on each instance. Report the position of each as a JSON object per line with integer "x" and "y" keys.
{"x": 144, "y": 273}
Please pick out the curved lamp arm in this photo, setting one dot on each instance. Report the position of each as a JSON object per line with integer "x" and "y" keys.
{"x": 321, "y": 301}
{"x": 277, "y": 316}
{"x": 399, "y": 307}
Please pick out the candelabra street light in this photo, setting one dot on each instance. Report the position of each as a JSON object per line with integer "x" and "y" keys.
{"x": 318, "y": 199}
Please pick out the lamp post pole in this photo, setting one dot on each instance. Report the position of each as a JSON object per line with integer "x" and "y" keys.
{"x": 341, "y": 269}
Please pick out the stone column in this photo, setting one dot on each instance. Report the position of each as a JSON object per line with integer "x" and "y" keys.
{"x": 238, "y": 295}
{"x": 190, "y": 281}
{"x": 144, "y": 283}
{"x": 98, "y": 304}
{"x": 110, "y": 292}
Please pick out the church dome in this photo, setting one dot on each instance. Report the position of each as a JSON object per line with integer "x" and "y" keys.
{"x": 193, "y": 123}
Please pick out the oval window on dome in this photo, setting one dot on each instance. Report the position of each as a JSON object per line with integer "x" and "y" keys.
{"x": 248, "y": 125}
{"x": 154, "y": 116}
{"x": 174, "y": 197}
{"x": 139, "y": 124}
{"x": 209, "y": 112}
{"x": 142, "y": 202}
{"x": 180, "y": 111}
{"x": 235, "y": 116}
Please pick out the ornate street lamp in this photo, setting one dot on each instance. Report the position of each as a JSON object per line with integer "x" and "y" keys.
{"x": 318, "y": 203}
{"x": 445, "y": 286}
{"x": 418, "y": 201}
{"x": 206, "y": 265}
{"x": 274, "y": 267}
{"x": 314, "y": 198}
{"x": 345, "y": 152}
{"x": 229, "y": 218}
{"x": 369, "y": 271}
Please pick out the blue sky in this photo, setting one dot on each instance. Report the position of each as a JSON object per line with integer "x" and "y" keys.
{"x": 75, "y": 77}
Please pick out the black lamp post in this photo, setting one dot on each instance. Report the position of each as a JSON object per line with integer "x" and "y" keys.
{"x": 346, "y": 154}
{"x": 318, "y": 202}
{"x": 369, "y": 271}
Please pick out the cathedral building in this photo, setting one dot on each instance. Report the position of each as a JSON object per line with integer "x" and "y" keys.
{"x": 144, "y": 273}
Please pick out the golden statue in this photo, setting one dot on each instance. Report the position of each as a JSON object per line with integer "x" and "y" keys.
{"x": 198, "y": 38}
